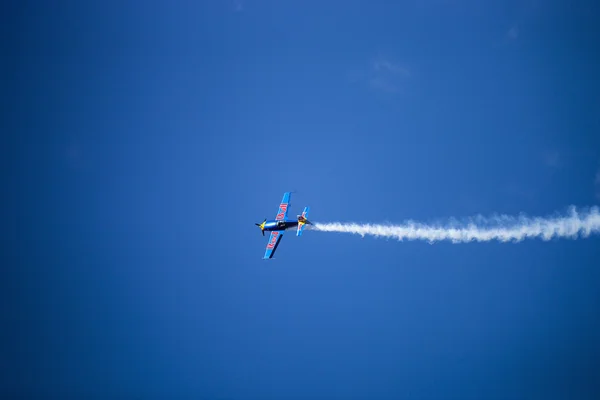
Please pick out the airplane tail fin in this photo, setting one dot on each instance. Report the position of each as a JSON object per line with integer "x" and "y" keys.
{"x": 302, "y": 221}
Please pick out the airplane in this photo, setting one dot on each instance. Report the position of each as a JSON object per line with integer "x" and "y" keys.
{"x": 280, "y": 224}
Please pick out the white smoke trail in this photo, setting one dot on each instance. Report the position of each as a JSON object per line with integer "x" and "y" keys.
{"x": 502, "y": 228}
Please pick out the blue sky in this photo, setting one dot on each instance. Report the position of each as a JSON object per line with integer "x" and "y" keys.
{"x": 148, "y": 138}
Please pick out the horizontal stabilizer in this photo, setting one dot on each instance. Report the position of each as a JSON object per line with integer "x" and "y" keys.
{"x": 302, "y": 221}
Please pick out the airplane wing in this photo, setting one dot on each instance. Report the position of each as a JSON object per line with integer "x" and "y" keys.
{"x": 274, "y": 240}
{"x": 301, "y": 222}
{"x": 283, "y": 207}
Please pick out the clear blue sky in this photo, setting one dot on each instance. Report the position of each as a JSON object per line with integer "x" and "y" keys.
{"x": 143, "y": 140}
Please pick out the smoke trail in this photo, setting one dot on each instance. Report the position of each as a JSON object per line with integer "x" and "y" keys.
{"x": 502, "y": 228}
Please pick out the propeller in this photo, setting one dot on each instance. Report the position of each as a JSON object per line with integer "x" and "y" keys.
{"x": 260, "y": 226}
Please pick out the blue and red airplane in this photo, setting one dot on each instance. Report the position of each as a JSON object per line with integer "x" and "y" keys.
{"x": 280, "y": 224}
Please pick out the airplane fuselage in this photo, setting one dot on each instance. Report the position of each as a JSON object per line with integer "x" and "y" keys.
{"x": 280, "y": 225}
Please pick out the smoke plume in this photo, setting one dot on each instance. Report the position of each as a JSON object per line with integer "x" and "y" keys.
{"x": 502, "y": 228}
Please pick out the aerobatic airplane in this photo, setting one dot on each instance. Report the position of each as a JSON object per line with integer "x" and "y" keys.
{"x": 280, "y": 224}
